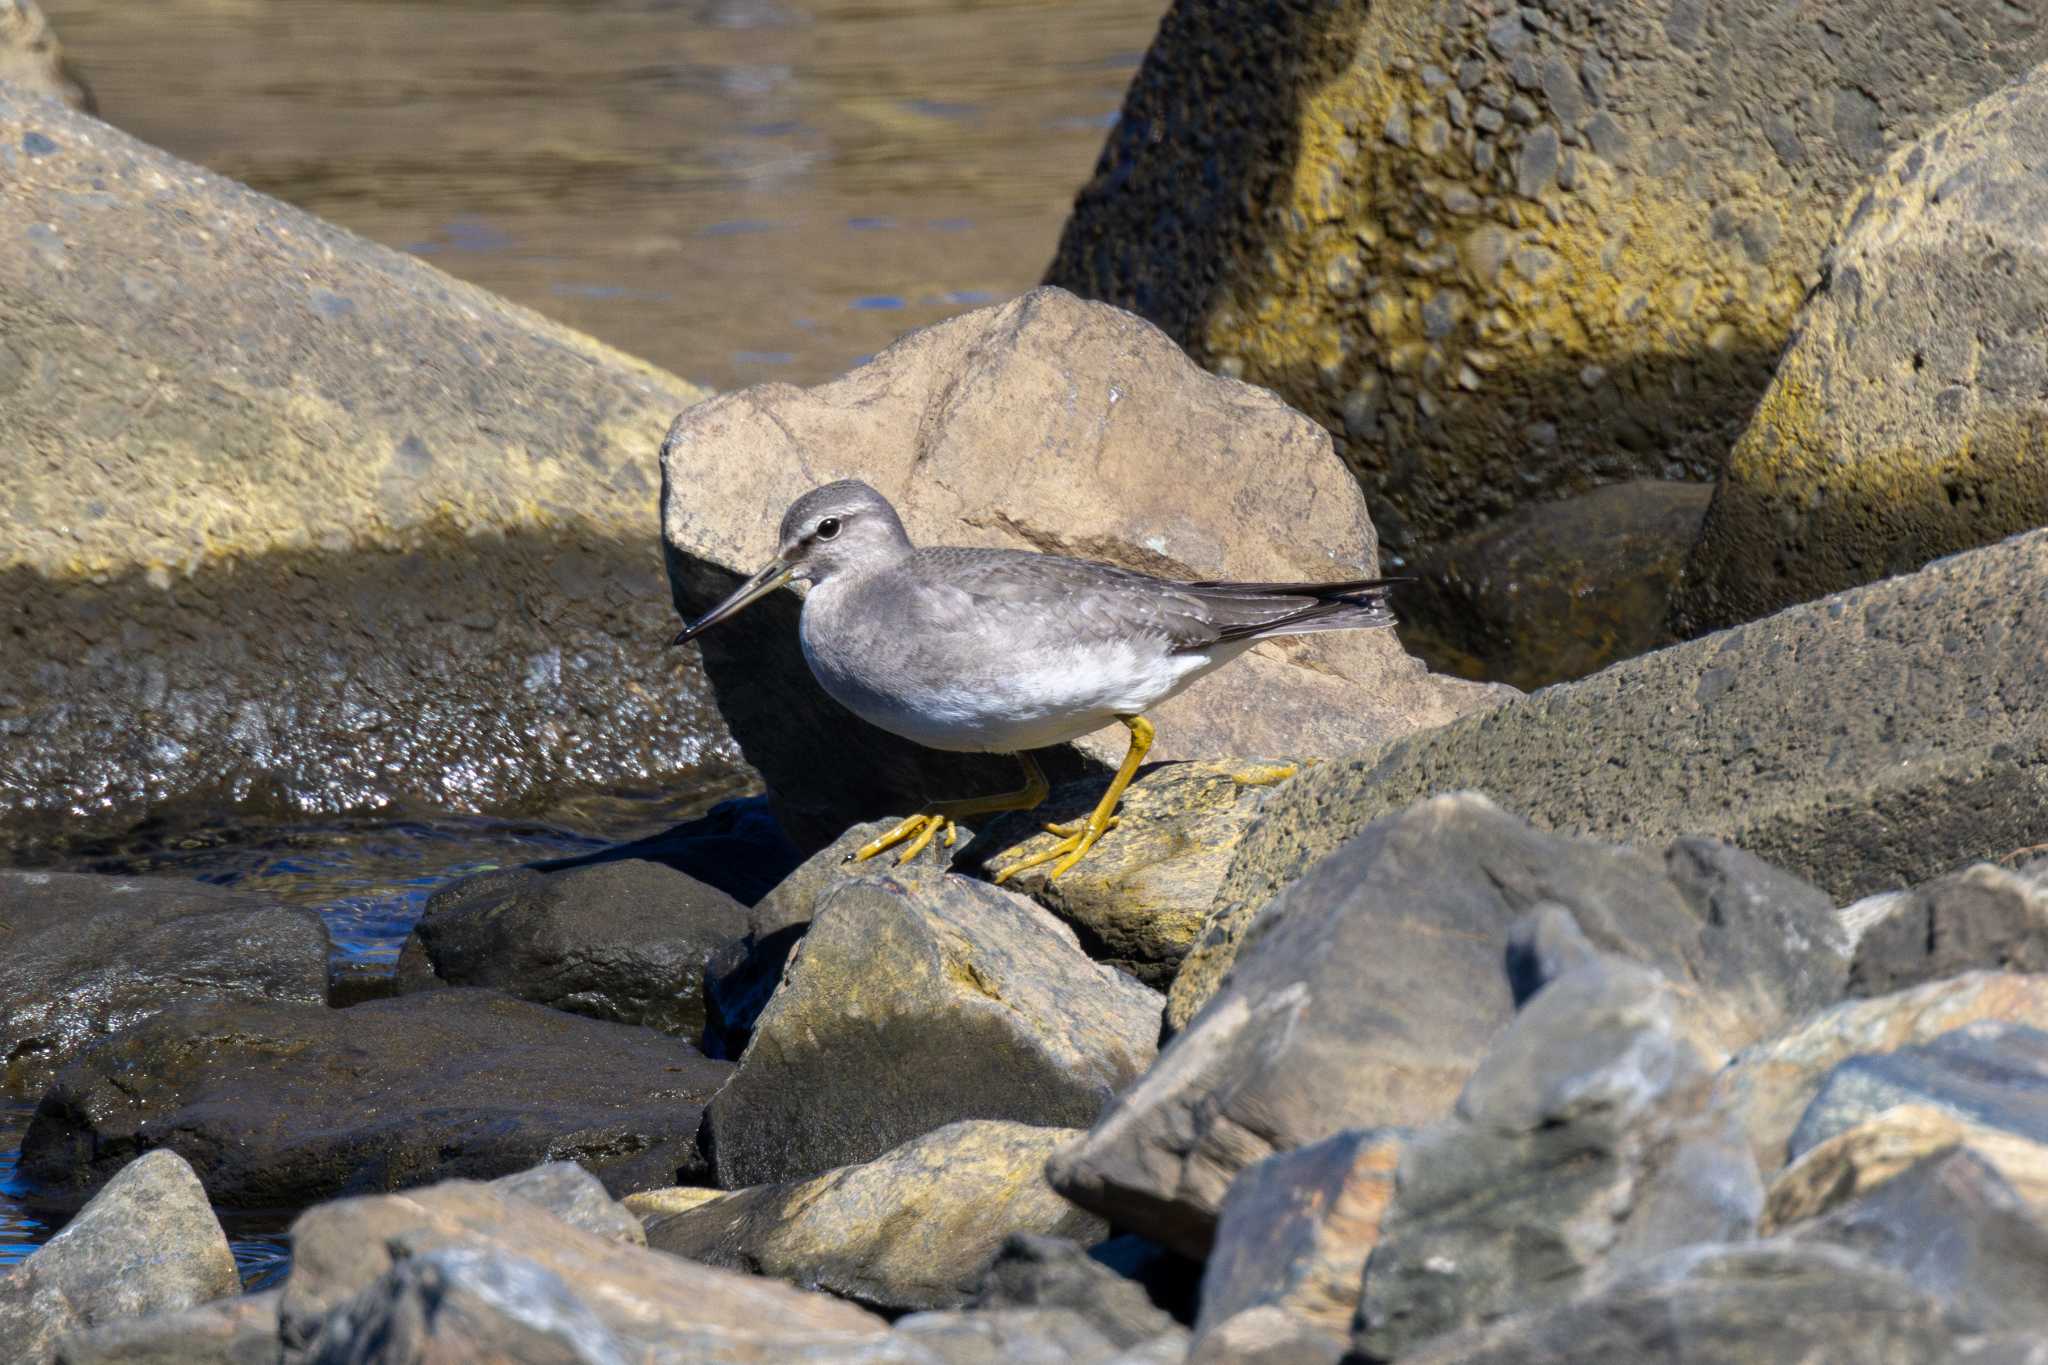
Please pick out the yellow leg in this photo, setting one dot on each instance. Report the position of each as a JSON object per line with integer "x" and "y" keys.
{"x": 920, "y": 828}
{"x": 1078, "y": 839}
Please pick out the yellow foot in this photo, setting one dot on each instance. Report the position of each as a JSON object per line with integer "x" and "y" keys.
{"x": 1265, "y": 775}
{"x": 918, "y": 829}
{"x": 1075, "y": 841}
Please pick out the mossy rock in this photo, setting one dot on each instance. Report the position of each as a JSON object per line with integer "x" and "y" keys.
{"x": 1503, "y": 253}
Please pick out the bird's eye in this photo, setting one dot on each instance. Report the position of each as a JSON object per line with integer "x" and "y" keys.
{"x": 828, "y": 528}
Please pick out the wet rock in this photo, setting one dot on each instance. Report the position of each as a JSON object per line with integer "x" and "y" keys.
{"x": 1771, "y": 1086}
{"x": 1582, "y": 1144}
{"x": 914, "y": 1228}
{"x": 1691, "y": 237}
{"x": 624, "y": 940}
{"x": 237, "y": 1331}
{"x": 1826, "y": 740}
{"x": 1857, "y": 1160}
{"x": 1035, "y": 1271}
{"x": 279, "y": 1105}
{"x": 1992, "y": 1073}
{"x": 81, "y": 956}
{"x": 1983, "y": 917}
{"x": 1907, "y": 417}
{"x": 1558, "y": 590}
{"x": 32, "y": 60}
{"x": 576, "y": 1197}
{"x": 502, "y": 1260}
{"x": 1722, "y": 1305}
{"x": 1292, "y": 1239}
{"x": 914, "y": 1002}
{"x": 1051, "y": 424}
{"x": 401, "y": 560}
{"x": 148, "y": 1243}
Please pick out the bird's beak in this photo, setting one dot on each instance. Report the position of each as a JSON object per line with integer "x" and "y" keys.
{"x": 760, "y": 585}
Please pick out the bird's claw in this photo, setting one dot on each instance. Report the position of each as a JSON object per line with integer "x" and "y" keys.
{"x": 1075, "y": 841}
{"x": 919, "y": 829}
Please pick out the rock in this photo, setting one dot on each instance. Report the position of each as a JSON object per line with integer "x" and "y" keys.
{"x": 86, "y": 955}
{"x": 914, "y": 1228}
{"x": 1857, "y": 1160}
{"x": 623, "y": 940}
{"x": 348, "y": 1264}
{"x": 645, "y": 1204}
{"x": 1770, "y": 1086}
{"x": 1337, "y": 1013}
{"x": 279, "y": 1105}
{"x": 1907, "y": 416}
{"x": 148, "y": 1243}
{"x": 1953, "y": 1227}
{"x": 576, "y": 1197}
{"x": 1982, "y": 917}
{"x": 1555, "y": 591}
{"x": 32, "y": 60}
{"x": 1582, "y": 1144}
{"x": 1031, "y": 1270}
{"x": 1052, "y": 424}
{"x": 237, "y": 1331}
{"x": 1492, "y": 311}
{"x": 1140, "y": 896}
{"x": 399, "y": 558}
{"x": 1292, "y": 1239}
{"x": 1990, "y": 1072}
{"x": 1266, "y": 1335}
{"x": 1007, "y": 1336}
{"x": 914, "y": 1002}
{"x": 1723, "y": 1305}
{"x": 1825, "y": 740}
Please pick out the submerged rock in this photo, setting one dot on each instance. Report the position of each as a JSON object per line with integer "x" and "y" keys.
{"x": 279, "y": 1105}
{"x": 86, "y": 955}
{"x": 915, "y": 1001}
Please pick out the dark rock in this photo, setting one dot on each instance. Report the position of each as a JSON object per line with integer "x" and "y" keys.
{"x": 1721, "y": 1305}
{"x": 1994, "y": 1074}
{"x": 81, "y": 956}
{"x": 1336, "y": 1015}
{"x": 575, "y": 1196}
{"x": 737, "y": 846}
{"x": 1035, "y": 1271}
{"x": 237, "y": 1331}
{"x": 916, "y": 1001}
{"x": 279, "y": 1105}
{"x": 147, "y": 1243}
{"x": 1984, "y": 917}
{"x": 1908, "y": 414}
{"x": 624, "y": 940}
{"x": 914, "y": 1228}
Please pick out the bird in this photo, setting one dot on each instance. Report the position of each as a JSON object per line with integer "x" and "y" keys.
{"x": 1005, "y": 651}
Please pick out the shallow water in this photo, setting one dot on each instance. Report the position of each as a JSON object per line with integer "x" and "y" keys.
{"x": 737, "y": 190}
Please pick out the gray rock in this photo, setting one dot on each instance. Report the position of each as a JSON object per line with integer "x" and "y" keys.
{"x": 1266, "y": 1335}
{"x": 237, "y": 1331}
{"x": 1722, "y": 1305}
{"x": 87, "y": 955}
{"x": 1008, "y": 1336}
{"x": 1991, "y": 1073}
{"x": 1825, "y": 740}
{"x": 1035, "y": 1271}
{"x": 914, "y": 1228}
{"x": 148, "y": 1243}
{"x": 279, "y": 1105}
{"x": 1336, "y": 1014}
{"x": 624, "y": 940}
{"x": 1982, "y": 917}
{"x": 914, "y": 1002}
{"x": 575, "y": 1196}
{"x": 401, "y": 558}
{"x": 1907, "y": 415}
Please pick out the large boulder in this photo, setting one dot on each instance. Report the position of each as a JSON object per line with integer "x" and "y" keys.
{"x": 1909, "y": 416}
{"x": 305, "y": 525}
{"x": 1051, "y": 424}
{"x": 915, "y": 1000}
{"x": 87, "y": 955}
{"x": 279, "y": 1105}
{"x": 624, "y": 940}
{"x": 1507, "y": 251}
{"x": 914, "y": 1228}
{"x": 147, "y": 1243}
{"x": 32, "y": 60}
{"x": 1828, "y": 740}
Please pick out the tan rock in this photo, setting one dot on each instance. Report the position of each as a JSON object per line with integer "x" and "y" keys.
{"x": 675, "y": 1199}
{"x": 1851, "y": 1164}
{"x": 1770, "y": 1085}
{"x": 1043, "y": 424}
{"x": 32, "y": 59}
